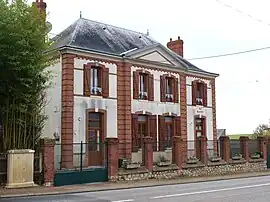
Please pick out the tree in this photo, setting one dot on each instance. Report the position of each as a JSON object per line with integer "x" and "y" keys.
{"x": 261, "y": 130}
{"x": 23, "y": 75}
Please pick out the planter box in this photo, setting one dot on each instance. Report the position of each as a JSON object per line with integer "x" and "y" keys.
{"x": 163, "y": 163}
{"x": 192, "y": 161}
{"x": 236, "y": 157}
{"x": 257, "y": 156}
{"x": 132, "y": 166}
{"x": 215, "y": 159}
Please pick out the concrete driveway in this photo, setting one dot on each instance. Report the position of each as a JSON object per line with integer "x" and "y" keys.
{"x": 255, "y": 189}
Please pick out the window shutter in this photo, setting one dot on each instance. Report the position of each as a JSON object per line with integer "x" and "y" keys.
{"x": 177, "y": 126}
{"x": 105, "y": 82}
{"x": 205, "y": 94}
{"x": 86, "y": 80}
{"x": 162, "y": 88}
{"x": 151, "y": 87}
{"x": 135, "y": 85}
{"x": 135, "y": 143}
{"x": 161, "y": 133}
{"x": 194, "y": 88}
{"x": 153, "y": 130}
{"x": 176, "y": 91}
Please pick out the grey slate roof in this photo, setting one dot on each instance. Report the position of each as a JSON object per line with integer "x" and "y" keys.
{"x": 108, "y": 39}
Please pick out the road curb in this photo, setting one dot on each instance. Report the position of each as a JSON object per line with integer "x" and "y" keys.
{"x": 84, "y": 190}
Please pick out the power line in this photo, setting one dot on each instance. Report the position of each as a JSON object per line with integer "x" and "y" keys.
{"x": 243, "y": 13}
{"x": 230, "y": 54}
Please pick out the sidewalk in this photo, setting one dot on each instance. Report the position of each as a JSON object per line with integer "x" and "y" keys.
{"x": 38, "y": 191}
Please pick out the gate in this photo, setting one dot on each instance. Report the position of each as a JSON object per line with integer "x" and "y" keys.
{"x": 268, "y": 154}
{"x": 89, "y": 163}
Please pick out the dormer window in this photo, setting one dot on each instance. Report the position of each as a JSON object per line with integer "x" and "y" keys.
{"x": 96, "y": 80}
{"x": 199, "y": 93}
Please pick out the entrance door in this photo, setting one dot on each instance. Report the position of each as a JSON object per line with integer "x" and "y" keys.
{"x": 95, "y": 140}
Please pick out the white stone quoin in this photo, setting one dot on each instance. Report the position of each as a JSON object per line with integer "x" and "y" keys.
{"x": 20, "y": 168}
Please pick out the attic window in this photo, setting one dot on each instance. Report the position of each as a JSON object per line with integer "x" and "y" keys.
{"x": 140, "y": 37}
{"x": 104, "y": 28}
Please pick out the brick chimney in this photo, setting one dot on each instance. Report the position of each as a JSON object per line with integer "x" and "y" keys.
{"x": 41, "y": 5}
{"x": 176, "y": 46}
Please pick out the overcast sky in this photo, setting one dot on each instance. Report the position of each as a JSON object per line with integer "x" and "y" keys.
{"x": 207, "y": 28}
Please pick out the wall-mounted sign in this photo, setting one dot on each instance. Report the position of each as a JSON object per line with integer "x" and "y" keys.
{"x": 199, "y": 110}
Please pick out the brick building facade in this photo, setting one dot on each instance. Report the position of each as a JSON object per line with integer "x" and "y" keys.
{"x": 116, "y": 83}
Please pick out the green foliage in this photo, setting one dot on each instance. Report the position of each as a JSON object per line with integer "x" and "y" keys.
{"x": 261, "y": 130}
{"x": 23, "y": 77}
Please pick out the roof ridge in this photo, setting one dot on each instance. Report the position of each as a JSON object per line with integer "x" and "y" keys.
{"x": 116, "y": 27}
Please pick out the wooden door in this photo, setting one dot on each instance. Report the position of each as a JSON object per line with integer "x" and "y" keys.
{"x": 95, "y": 140}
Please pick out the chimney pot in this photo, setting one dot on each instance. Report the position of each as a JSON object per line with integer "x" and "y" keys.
{"x": 176, "y": 46}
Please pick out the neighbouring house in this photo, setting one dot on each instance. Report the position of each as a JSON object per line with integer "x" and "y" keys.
{"x": 111, "y": 82}
{"x": 221, "y": 132}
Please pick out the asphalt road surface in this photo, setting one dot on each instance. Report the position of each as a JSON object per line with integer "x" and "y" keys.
{"x": 255, "y": 189}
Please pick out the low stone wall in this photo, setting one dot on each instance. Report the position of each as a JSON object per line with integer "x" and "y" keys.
{"x": 224, "y": 169}
{"x": 170, "y": 172}
{"x": 197, "y": 170}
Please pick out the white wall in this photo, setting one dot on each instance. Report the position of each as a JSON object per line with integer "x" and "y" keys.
{"x": 53, "y": 108}
{"x": 191, "y": 110}
{"x": 155, "y": 107}
{"x": 82, "y": 103}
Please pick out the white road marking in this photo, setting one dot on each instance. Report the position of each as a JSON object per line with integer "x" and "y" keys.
{"x": 128, "y": 200}
{"x": 210, "y": 191}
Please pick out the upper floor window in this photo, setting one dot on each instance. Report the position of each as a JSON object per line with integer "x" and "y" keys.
{"x": 199, "y": 93}
{"x": 96, "y": 80}
{"x": 143, "y": 85}
{"x": 169, "y": 89}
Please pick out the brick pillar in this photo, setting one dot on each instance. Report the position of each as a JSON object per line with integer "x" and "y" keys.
{"x": 225, "y": 148}
{"x": 47, "y": 146}
{"x": 112, "y": 148}
{"x": 244, "y": 147}
{"x": 203, "y": 149}
{"x": 67, "y": 110}
{"x": 213, "y": 86}
{"x": 178, "y": 151}
{"x": 183, "y": 110}
{"x": 148, "y": 153}
{"x": 262, "y": 146}
{"x": 124, "y": 109}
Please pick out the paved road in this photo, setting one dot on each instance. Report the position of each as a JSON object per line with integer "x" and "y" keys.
{"x": 255, "y": 189}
